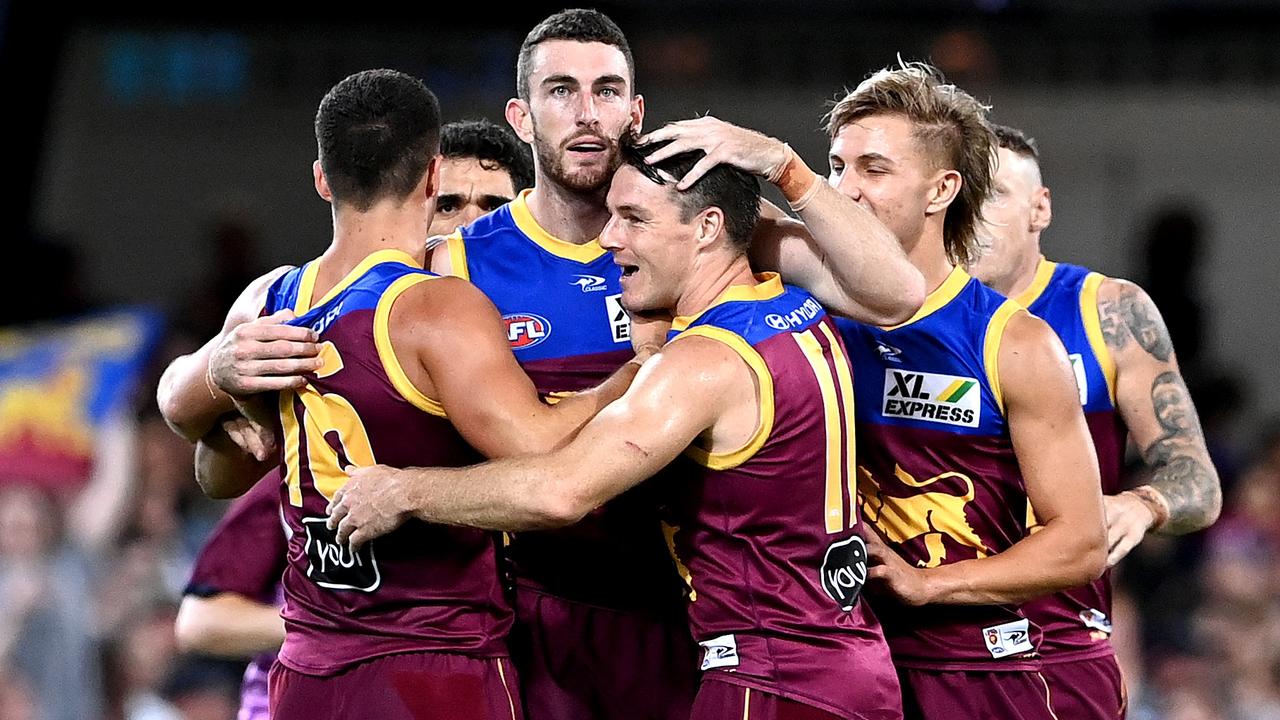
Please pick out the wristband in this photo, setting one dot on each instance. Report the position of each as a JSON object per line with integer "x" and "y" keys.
{"x": 208, "y": 382}
{"x": 794, "y": 178}
{"x": 1154, "y": 501}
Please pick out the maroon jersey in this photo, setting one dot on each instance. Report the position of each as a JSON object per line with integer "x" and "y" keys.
{"x": 1077, "y": 622}
{"x": 561, "y": 304}
{"x": 769, "y": 533}
{"x": 423, "y": 587}
{"x": 245, "y": 554}
{"x": 937, "y": 473}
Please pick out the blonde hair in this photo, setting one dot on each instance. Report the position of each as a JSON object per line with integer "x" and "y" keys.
{"x": 950, "y": 125}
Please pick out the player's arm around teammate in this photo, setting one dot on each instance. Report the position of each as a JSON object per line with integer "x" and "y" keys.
{"x": 1058, "y": 464}
{"x": 1183, "y": 494}
{"x": 838, "y": 250}
{"x": 694, "y": 385}
{"x": 450, "y": 344}
{"x": 265, "y": 353}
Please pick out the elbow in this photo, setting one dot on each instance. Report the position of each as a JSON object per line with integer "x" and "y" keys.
{"x": 561, "y": 509}
{"x": 910, "y": 296}
{"x": 171, "y": 411}
{"x": 1087, "y": 561}
{"x": 191, "y": 630}
{"x": 905, "y": 301}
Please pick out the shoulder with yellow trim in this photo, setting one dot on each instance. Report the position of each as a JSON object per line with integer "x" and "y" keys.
{"x": 1030, "y": 354}
{"x": 707, "y": 360}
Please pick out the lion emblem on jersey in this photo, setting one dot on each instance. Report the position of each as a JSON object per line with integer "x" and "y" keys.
{"x": 931, "y": 515}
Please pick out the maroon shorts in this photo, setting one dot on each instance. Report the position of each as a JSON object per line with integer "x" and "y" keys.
{"x": 408, "y": 686}
{"x": 1090, "y": 689}
{"x": 582, "y": 662}
{"x": 718, "y": 700}
{"x": 951, "y": 694}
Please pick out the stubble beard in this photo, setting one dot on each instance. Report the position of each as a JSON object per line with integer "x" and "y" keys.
{"x": 583, "y": 181}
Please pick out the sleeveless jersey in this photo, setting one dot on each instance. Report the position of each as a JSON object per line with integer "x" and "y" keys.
{"x": 937, "y": 473}
{"x": 1077, "y": 622}
{"x": 768, "y": 535}
{"x": 561, "y": 304}
{"x": 423, "y": 587}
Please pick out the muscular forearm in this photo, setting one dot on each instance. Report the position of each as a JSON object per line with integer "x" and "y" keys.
{"x": 228, "y": 625}
{"x": 1187, "y": 484}
{"x": 515, "y": 494}
{"x": 555, "y": 426}
{"x": 1052, "y": 559}
{"x": 864, "y": 258}
{"x": 188, "y": 401}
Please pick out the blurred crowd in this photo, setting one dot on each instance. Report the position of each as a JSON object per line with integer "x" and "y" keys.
{"x": 91, "y": 574}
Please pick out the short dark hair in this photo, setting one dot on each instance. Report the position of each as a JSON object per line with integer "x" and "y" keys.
{"x": 578, "y": 25}
{"x": 734, "y": 191}
{"x": 377, "y": 132}
{"x": 1011, "y": 138}
{"x": 494, "y": 146}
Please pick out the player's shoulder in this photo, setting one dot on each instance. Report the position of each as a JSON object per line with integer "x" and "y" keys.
{"x": 1112, "y": 289}
{"x": 253, "y": 299}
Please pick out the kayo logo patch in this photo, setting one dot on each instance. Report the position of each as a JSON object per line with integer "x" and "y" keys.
{"x": 524, "y": 330}
{"x": 936, "y": 398}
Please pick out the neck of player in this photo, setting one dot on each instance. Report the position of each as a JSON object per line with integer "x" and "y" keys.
{"x": 705, "y": 285}
{"x": 570, "y": 216}
{"x": 1022, "y": 276}
{"x": 356, "y": 235}
{"x": 930, "y": 258}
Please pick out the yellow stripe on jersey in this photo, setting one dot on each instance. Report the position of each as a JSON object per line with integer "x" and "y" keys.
{"x": 725, "y": 461}
{"x": 1044, "y": 273}
{"x": 587, "y": 252}
{"x": 991, "y": 347}
{"x": 292, "y": 445}
{"x": 746, "y": 704}
{"x": 458, "y": 256}
{"x": 382, "y": 339}
{"x": 844, "y": 375}
{"x": 834, "y": 513}
{"x": 307, "y": 286}
{"x": 669, "y": 532}
{"x": 940, "y": 296}
{"x": 768, "y": 286}
{"x": 1093, "y": 329}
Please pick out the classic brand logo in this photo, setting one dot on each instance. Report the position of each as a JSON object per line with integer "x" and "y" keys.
{"x": 524, "y": 330}
{"x": 937, "y": 398}
{"x": 589, "y": 283}
{"x": 1008, "y": 639}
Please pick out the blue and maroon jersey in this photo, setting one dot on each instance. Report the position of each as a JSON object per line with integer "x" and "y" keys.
{"x": 561, "y": 304}
{"x": 937, "y": 474}
{"x": 767, "y": 536}
{"x": 245, "y": 554}
{"x": 423, "y": 587}
{"x": 1077, "y": 622}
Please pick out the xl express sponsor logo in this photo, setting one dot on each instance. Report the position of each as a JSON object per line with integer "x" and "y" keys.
{"x": 946, "y": 399}
{"x": 524, "y": 330}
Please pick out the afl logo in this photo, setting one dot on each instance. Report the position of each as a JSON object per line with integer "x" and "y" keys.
{"x": 524, "y": 330}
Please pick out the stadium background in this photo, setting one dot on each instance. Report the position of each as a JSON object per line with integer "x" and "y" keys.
{"x": 163, "y": 160}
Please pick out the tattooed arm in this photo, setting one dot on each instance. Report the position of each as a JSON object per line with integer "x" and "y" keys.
{"x": 1184, "y": 494}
